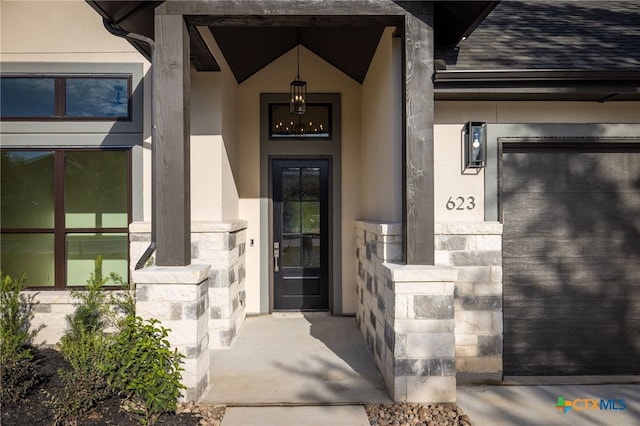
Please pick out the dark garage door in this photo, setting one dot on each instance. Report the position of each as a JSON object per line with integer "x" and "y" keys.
{"x": 571, "y": 250}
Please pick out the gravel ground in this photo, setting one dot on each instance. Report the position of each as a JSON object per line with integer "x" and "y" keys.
{"x": 405, "y": 414}
{"x": 409, "y": 414}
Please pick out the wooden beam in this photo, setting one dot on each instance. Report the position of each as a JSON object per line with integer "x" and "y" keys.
{"x": 171, "y": 143}
{"x": 291, "y": 21}
{"x": 418, "y": 193}
{"x": 282, "y": 8}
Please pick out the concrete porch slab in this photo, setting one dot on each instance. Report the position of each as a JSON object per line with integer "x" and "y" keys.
{"x": 295, "y": 358}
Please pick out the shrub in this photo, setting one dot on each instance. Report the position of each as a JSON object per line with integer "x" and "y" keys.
{"x": 16, "y": 360}
{"x": 84, "y": 345}
{"x": 141, "y": 364}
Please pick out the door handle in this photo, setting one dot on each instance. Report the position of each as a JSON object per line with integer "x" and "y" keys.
{"x": 276, "y": 255}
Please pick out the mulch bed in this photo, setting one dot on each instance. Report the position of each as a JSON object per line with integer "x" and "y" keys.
{"x": 34, "y": 409}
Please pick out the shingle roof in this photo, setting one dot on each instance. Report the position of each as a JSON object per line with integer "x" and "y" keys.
{"x": 558, "y": 34}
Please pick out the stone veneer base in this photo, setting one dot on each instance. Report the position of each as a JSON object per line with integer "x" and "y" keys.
{"x": 177, "y": 297}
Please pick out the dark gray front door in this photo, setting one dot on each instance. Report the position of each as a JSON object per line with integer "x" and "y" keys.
{"x": 300, "y": 246}
{"x": 571, "y": 248}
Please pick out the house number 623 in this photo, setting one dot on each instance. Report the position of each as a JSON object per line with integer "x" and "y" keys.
{"x": 461, "y": 203}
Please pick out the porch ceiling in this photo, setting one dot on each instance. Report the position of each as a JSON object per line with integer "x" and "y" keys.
{"x": 348, "y": 44}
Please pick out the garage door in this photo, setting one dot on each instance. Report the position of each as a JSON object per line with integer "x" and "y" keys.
{"x": 571, "y": 258}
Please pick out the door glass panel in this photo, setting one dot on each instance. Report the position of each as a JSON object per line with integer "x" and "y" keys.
{"x": 291, "y": 184}
{"x": 291, "y": 255}
{"x": 82, "y": 249}
{"x": 311, "y": 217}
{"x": 291, "y": 217}
{"x": 31, "y": 254}
{"x": 27, "y": 186}
{"x": 311, "y": 250}
{"x": 96, "y": 189}
{"x": 310, "y": 183}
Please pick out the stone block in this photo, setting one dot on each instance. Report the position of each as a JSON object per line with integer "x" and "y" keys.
{"x": 408, "y": 367}
{"x": 485, "y": 243}
{"x": 496, "y": 274}
{"x": 451, "y": 242}
{"x": 466, "y": 339}
{"x": 389, "y": 336}
{"x": 481, "y": 303}
{"x": 431, "y": 345}
{"x": 475, "y": 228}
{"x": 490, "y": 345}
{"x": 466, "y": 351}
{"x": 476, "y": 258}
{"x": 430, "y": 389}
{"x": 433, "y": 307}
{"x": 474, "y": 322}
{"x": 474, "y": 274}
{"x": 424, "y": 326}
{"x": 480, "y": 365}
{"x": 487, "y": 289}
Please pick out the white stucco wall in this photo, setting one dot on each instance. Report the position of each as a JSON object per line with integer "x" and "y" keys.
{"x": 382, "y": 133}
{"x": 321, "y": 77}
{"x": 214, "y": 160}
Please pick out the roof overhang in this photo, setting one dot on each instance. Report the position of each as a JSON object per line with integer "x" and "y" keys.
{"x": 538, "y": 85}
{"x": 453, "y": 21}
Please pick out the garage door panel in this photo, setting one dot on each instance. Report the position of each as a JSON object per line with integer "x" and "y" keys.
{"x": 571, "y": 262}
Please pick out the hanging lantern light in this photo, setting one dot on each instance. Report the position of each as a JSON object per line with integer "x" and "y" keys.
{"x": 298, "y": 90}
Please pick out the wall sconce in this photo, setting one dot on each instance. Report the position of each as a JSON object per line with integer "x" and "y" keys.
{"x": 475, "y": 141}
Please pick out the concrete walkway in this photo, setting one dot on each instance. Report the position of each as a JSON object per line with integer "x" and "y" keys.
{"x": 296, "y": 359}
{"x": 536, "y": 405}
{"x": 346, "y": 415}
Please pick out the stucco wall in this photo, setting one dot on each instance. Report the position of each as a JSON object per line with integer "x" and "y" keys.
{"x": 382, "y": 133}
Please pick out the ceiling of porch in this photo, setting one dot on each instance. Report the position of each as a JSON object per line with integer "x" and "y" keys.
{"x": 348, "y": 43}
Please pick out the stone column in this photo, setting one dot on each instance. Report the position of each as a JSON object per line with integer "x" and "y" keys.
{"x": 178, "y": 297}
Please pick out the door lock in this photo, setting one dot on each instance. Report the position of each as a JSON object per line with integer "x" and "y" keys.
{"x": 276, "y": 255}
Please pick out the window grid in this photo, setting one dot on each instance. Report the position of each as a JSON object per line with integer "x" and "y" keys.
{"x": 60, "y": 231}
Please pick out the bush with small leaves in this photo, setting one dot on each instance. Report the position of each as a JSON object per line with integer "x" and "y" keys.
{"x": 18, "y": 373}
{"x": 142, "y": 366}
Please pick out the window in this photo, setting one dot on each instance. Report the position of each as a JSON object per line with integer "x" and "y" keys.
{"x": 60, "y": 208}
{"x": 313, "y": 124}
{"x": 55, "y": 97}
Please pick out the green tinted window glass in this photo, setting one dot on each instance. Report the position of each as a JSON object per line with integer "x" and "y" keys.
{"x": 310, "y": 217}
{"x": 97, "y": 97}
{"x": 27, "y": 97}
{"x": 96, "y": 189}
{"x": 27, "y": 189}
{"x": 82, "y": 249}
{"x": 31, "y": 254}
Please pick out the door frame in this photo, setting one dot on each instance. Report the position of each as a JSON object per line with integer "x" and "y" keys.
{"x": 300, "y": 150}
{"x": 329, "y": 237}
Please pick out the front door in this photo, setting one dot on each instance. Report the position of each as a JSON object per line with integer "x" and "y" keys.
{"x": 300, "y": 246}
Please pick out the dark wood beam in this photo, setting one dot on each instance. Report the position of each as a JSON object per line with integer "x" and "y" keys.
{"x": 418, "y": 193}
{"x": 281, "y": 8}
{"x": 291, "y": 21}
{"x": 172, "y": 141}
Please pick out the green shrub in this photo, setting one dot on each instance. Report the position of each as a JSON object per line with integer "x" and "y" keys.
{"x": 84, "y": 345}
{"x": 141, "y": 364}
{"x": 18, "y": 373}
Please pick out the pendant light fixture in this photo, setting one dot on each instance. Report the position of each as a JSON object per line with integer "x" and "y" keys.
{"x": 298, "y": 89}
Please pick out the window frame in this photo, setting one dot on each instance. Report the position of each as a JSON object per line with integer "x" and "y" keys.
{"x": 59, "y": 230}
{"x": 60, "y": 97}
